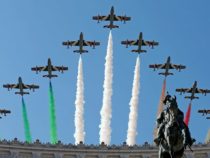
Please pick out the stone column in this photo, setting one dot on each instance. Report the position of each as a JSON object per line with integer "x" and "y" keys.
{"x": 36, "y": 154}
{"x": 208, "y": 154}
{"x": 81, "y": 155}
{"x": 189, "y": 155}
{"x": 58, "y": 155}
{"x": 14, "y": 154}
{"x": 102, "y": 155}
{"x": 124, "y": 156}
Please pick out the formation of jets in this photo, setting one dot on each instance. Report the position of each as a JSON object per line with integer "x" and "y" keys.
{"x": 81, "y": 43}
{"x": 49, "y": 68}
{"x": 139, "y": 42}
{"x": 167, "y": 66}
{"x": 193, "y": 90}
{"x": 111, "y": 18}
{"x": 21, "y": 86}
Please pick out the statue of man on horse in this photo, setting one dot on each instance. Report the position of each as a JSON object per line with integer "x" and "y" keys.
{"x": 173, "y": 134}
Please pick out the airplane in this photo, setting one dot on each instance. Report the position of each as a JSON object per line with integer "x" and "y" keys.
{"x": 4, "y": 112}
{"x": 193, "y": 91}
{"x": 21, "y": 86}
{"x": 139, "y": 42}
{"x": 81, "y": 43}
{"x": 49, "y": 68}
{"x": 111, "y": 18}
{"x": 167, "y": 66}
{"x": 204, "y": 112}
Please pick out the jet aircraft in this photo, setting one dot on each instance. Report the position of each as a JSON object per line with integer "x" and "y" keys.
{"x": 49, "y": 68}
{"x": 204, "y": 112}
{"x": 81, "y": 43}
{"x": 21, "y": 86}
{"x": 193, "y": 91}
{"x": 4, "y": 112}
{"x": 111, "y": 18}
{"x": 167, "y": 66}
{"x": 139, "y": 42}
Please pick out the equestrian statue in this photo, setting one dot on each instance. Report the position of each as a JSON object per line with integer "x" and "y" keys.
{"x": 173, "y": 134}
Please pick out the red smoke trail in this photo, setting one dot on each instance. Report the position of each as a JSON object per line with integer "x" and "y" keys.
{"x": 160, "y": 106}
{"x": 187, "y": 117}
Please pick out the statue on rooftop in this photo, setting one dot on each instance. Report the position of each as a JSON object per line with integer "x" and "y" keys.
{"x": 173, "y": 134}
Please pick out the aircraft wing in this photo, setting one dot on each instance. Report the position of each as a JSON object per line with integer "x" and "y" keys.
{"x": 3, "y": 111}
{"x": 178, "y": 67}
{"x": 121, "y": 18}
{"x": 184, "y": 90}
{"x": 158, "y": 66}
{"x": 40, "y": 68}
{"x": 204, "y": 111}
{"x": 101, "y": 18}
{"x": 71, "y": 43}
{"x": 144, "y": 43}
{"x": 91, "y": 43}
{"x": 32, "y": 86}
{"x": 11, "y": 86}
{"x": 203, "y": 91}
{"x": 107, "y": 18}
{"x": 149, "y": 43}
{"x": 59, "y": 68}
{"x": 130, "y": 42}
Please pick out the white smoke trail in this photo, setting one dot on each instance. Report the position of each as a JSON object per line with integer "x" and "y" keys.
{"x": 106, "y": 110}
{"x": 133, "y": 115}
{"x": 207, "y": 140}
{"x": 79, "y": 104}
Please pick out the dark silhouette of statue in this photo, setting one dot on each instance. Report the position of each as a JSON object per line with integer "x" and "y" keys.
{"x": 173, "y": 134}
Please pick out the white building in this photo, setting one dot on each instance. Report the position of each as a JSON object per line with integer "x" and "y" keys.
{"x": 16, "y": 149}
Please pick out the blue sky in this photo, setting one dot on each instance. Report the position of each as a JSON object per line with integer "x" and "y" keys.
{"x": 32, "y": 31}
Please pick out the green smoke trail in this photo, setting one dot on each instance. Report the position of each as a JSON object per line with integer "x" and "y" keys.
{"x": 26, "y": 122}
{"x": 53, "y": 130}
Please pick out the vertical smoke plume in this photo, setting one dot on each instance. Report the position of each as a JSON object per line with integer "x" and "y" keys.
{"x": 79, "y": 104}
{"x": 160, "y": 106}
{"x": 207, "y": 140}
{"x": 133, "y": 116}
{"x": 187, "y": 117}
{"x": 26, "y": 123}
{"x": 53, "y": 129}
{"x": 106, "y": 110}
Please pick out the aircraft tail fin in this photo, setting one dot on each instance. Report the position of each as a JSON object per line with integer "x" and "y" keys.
{"x": 165, "y": 74}
{"x": 111, "y": 26}
{"x": 80, "y": 51}
{"x": 50, "y": 76}
{"x": 138, "y": 51}
{"x": 189, "y": 97}
{"x": 21, "y": 93}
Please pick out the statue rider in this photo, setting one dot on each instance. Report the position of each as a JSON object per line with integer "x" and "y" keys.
{"x": 162, "y": 120}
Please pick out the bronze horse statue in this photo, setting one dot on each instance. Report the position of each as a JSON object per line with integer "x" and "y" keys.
{"x": 173, "y": 141}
